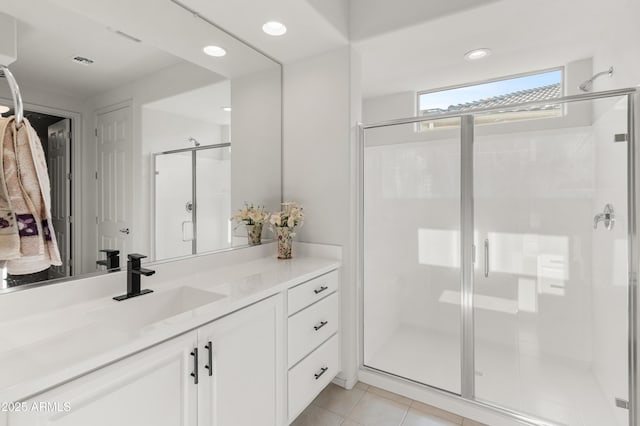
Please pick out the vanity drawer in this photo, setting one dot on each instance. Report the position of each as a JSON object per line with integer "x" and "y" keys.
{"x": 306, "y": 293}
{"x": 308, "y": 378}
{"x": 312, "y": 326}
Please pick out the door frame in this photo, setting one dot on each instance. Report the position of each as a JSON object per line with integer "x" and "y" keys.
{"x": 467, "y": 396}
{"x": 77, "y": 170}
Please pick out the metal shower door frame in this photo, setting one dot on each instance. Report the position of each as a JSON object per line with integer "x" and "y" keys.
{"x": 194, "y": 183}
{"x": 467, "y": 393}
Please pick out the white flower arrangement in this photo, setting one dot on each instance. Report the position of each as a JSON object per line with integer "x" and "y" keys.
{"x": 292, "y": 215}
{"x": 250, "y": 215}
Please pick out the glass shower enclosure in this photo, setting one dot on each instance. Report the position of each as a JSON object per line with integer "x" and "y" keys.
{"x": 499, "y": 262}
{"x": 192, "y": 200}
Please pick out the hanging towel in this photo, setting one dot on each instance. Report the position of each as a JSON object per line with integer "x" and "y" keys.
{"x": 25, "y": 193}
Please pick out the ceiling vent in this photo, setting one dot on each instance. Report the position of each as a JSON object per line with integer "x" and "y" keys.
{"x": 82, "y": 60}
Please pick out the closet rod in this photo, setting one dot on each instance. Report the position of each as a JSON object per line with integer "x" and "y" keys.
{"x": 15, "y": 93}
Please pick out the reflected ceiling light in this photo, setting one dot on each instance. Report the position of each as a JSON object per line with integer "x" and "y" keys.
{"x": 476, "y": 54}
{"x": 227, "y": 109}
{"x": 4, "y": 108}
{"x": 274, "y": 28}
{"x": 216, "y": 51}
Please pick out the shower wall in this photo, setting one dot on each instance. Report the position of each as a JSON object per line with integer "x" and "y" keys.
{"x": 416, "y": 185}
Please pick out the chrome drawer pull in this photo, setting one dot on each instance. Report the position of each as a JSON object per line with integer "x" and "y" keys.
{"x": 321, "y": 289}
{"x": 319, "y": 326}
{"x": 322, "y": 371}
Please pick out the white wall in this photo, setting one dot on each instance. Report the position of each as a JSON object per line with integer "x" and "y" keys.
{"x": 321, "y": 107}
{"x": 164, "y": 131}
{"x": 256, "y": 135}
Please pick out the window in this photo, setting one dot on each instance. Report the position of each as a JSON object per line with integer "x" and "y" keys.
{"x": 504, "y": 92}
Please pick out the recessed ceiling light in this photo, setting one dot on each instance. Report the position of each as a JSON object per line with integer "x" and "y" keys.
{"x": 216, "y": 51}
{"x": 82, "y": 60}
{"x": 4, "y": 108}
{"x": 227, "y": 109}
{"x": 476, "y": 54}
{"x": 274, "y": 28}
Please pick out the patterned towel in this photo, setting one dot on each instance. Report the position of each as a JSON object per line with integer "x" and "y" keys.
{"x": 25, "y": 193}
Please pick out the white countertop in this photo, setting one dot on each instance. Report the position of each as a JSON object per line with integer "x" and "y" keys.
{"x": 42, "y": 350}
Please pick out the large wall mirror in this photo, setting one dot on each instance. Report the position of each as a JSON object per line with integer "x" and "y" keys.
{"x": 151, "y": 143}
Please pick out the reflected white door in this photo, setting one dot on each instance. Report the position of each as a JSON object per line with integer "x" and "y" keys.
{"x": 114, "y": 139}
{"x": 59, "y": 156}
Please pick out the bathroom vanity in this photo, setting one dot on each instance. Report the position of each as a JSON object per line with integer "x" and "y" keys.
{"x": 235, "y": 338}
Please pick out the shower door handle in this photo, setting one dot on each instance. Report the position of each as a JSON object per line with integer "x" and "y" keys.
{"x": 486, "y": 258}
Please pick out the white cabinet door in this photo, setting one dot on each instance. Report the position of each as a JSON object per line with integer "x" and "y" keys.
{"x": 245, "y": 384}
{"x": 153, "y": 387}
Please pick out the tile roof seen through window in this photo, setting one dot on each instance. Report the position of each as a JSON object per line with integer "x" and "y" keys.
{"x": 530, "y": 95}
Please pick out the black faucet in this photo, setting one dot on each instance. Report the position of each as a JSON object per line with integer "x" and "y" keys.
{"x": 133, "y": 277}
{"x": 112, "y": 262}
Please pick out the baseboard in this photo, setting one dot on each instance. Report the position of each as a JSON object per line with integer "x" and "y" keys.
{"x": 347, "y": 383}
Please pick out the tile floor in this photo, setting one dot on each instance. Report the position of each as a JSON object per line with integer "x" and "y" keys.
{"x": 366, "y": 405}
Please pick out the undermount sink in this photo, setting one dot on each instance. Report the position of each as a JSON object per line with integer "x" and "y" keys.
{"x": 158, "y": 308}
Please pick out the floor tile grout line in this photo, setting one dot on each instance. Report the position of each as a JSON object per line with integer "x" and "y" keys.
{"x": 354, "y": 405}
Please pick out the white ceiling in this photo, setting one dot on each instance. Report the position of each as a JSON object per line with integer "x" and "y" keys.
{"x": 404, "y": 44}
{"x": 313, "y": 26}
{"x": 49, "y": 36}
{"x": 167, "y": 26}
{"x": 204, "y": 104}
{"x": 523, "y": 35}
{"x": 370, "y": 18}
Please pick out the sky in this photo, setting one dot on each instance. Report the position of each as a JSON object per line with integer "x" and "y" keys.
{"x": 444, "y": 99}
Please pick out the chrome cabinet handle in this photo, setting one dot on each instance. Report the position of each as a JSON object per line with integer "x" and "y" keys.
{"x": 486, "y": 258}
{"x": 321, "y": 289}
{"x": 125, "y": 231}
{"x": 194, "y": 354}
{"x": 209, "y": 366}
{"x": 319, "y": 326}
{"x": 322, "y": 371}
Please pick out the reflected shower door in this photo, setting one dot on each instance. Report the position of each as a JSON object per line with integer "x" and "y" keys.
{"x": 550, "y": 291}
{"x": 411, "y": 232}
{"x": 213, "y": 193}
{"x": 174, "y": 205}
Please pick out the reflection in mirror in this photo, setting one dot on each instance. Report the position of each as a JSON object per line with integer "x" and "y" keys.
{"x": 150, "y": 143}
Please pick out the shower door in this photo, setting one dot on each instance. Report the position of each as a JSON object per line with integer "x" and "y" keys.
{"x": 411, "y": 246}
{"x": 192, "y": 201}
{"x": 495, "y": 258}
{"x": 550, "y": 293}
{"x": 174, "y": 201}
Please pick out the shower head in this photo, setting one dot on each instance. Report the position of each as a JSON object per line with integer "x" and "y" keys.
{"x": 194, "y": 141}
{"x": 588, "y": 85}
